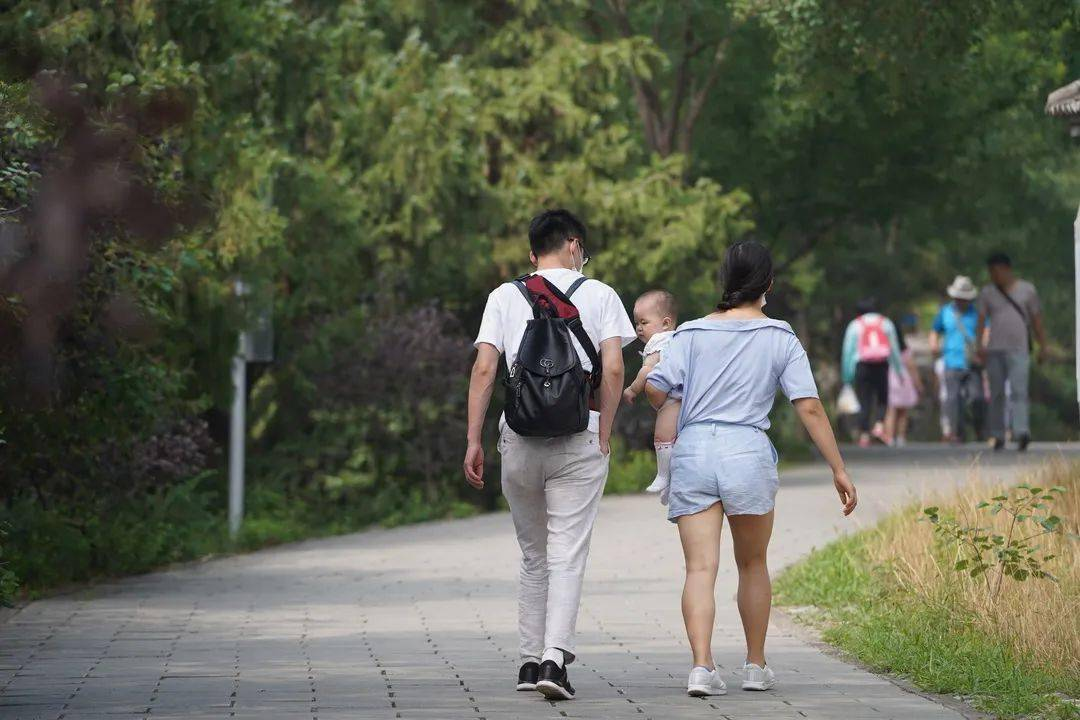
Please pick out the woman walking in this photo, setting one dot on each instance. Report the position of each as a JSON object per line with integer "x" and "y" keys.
{"x": 728, "y": 367}
{"x": 870, "y": 349}
{"x": 904, "y": 390}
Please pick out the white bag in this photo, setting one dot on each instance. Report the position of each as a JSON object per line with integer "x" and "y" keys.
{"x": 847, "y": 403}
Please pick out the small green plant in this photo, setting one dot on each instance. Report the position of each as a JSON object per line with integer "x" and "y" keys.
{"x": 9, "y": 583}
{"x": 982, "y": 552}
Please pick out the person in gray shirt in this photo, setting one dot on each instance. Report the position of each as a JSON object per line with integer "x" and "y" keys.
{"x": 1010, "y": 307}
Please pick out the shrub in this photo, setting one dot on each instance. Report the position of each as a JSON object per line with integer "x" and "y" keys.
{"x": 9, "y": 581}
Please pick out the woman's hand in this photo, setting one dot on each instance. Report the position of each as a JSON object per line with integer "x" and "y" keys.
{"x": 846, "y": 490}
{"x": 628, "y": 396}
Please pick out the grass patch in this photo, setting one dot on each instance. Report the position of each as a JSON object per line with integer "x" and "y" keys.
{"x": 891, "y": 597}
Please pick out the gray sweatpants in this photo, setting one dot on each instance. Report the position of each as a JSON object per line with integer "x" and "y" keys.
{"x": 963, "y": 389}
{"x": 553, "y": 486}
{"x": 1014, "y": 366}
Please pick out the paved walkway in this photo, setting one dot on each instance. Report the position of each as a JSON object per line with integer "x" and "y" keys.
{"x": 419, "y": 622}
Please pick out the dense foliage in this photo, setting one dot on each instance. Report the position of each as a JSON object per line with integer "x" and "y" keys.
{"x": 368, "y": 168}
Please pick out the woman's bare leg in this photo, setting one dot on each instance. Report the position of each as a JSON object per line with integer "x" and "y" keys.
{"x": 700, "y": 535}
{"x": 750, "y": 535}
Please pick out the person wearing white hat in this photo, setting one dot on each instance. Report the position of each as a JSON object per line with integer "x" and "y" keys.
{"x": 954, "y": 337}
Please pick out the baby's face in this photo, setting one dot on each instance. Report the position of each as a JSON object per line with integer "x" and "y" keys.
{"x": 648, "y": 320}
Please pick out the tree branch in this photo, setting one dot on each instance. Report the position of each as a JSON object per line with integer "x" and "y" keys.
{"x": 701, "y": 94}
{"x": 682, "y": 83}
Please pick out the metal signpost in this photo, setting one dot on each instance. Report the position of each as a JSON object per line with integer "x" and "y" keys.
{"x": 255, "y": 344}
{"x": 1065, "y": 103}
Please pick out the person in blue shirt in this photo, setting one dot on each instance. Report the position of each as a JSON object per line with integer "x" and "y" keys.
{"x": 954, "y": 338}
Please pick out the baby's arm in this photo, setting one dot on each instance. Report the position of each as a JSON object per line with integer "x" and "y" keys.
{"x": 638, "y": 386}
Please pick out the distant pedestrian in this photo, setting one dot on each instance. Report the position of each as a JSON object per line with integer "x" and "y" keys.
{"x": 904, "y": 391}
{"x": 562, "y": 335}
{"x": 1010, "y": 306}
{"x": 870, "y": 349}
{"x": 954, "y": 337}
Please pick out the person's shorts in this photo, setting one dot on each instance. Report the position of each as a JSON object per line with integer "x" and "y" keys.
{"x": 716, "y": 462}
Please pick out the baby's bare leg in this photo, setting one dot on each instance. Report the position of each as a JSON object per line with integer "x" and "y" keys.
{"x": 667, "y": 421}
{"x": 663, "y": 439}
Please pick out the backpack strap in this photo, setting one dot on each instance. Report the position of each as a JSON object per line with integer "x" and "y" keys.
{"x": 524, "y": 290}
{"x": 577, "y": 283}
{"x": 519, "y": 283}
{"x": 597, "y": 372}
{"x": 575, "y": 326}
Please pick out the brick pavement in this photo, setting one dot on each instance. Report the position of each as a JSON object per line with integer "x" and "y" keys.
{"x": 419, "y": 622}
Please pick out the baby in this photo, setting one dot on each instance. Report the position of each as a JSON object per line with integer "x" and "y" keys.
{"x": 655, "y": 314}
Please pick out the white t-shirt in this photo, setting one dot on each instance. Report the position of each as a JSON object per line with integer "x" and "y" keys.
{"x": 602, "y": 315}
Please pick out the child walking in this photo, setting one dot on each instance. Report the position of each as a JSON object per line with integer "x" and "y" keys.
{"x": 655, "y": 317}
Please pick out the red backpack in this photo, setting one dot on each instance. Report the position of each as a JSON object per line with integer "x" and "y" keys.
{"x": 874, "y": 343}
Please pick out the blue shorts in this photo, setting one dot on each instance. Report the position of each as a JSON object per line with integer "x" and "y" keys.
{"x": 716, "y": 462}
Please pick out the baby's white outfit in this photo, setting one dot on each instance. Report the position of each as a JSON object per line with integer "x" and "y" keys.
{"x": 657, "y": 344}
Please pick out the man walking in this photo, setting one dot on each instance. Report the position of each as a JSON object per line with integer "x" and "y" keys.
{"x": 1011, "y": 307}
{"x": 954, "y": 336}
{"x": 553, "y": 484}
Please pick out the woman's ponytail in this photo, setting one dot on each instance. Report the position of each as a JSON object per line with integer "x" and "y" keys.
{"x": 746, "y": 274}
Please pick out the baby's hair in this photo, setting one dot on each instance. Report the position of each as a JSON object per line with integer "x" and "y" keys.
{"x": 665, "y": 302}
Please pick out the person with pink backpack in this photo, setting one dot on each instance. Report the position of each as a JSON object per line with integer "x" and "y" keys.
{"x": 870, "y": 347}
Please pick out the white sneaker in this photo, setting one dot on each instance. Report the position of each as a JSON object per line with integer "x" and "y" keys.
{"x": 659, "y": 483}
{"x": 756, "y": 677}
{"x": 703, "y": 682}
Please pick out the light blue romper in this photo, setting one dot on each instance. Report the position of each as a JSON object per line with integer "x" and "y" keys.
{"x": 728, "y": 372}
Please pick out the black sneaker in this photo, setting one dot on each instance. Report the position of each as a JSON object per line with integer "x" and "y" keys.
{"x": 999, "y": 443}
{"x": 1022, "y": 442}
{"x": 554, "y": 684}
{"x": 528, "y": 675}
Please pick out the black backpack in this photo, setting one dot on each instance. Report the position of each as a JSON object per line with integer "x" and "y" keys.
{"x": 548, "y": 392}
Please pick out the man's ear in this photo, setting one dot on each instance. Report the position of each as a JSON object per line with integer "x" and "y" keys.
{"x": 532, "y": 258}
{"x": 770, "y": 285}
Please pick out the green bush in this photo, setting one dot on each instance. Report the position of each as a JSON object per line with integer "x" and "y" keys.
{"x": 9, "y": 581}
{"x": 72, "y": 542}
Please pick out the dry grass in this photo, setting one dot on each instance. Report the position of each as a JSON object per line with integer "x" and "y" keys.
{"x": 1039, "y": 618}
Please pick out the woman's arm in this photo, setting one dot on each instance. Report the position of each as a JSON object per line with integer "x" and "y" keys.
{"x": 913, "y": 371}
{"x": 656, "y": 396}
{"x": 812, "y": 414}
{"x": 849, "y": 355}
{"x": 895, "y": 360}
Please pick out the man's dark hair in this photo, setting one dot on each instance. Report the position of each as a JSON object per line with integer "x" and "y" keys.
{"x": 551, "y": 228}
{"x": 999, "y": 258}
{"x": 866, "y": 305}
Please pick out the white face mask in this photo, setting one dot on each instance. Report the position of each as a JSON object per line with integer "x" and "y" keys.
{"x": 763, "y": 300}
{"x": 579, "y": 261}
